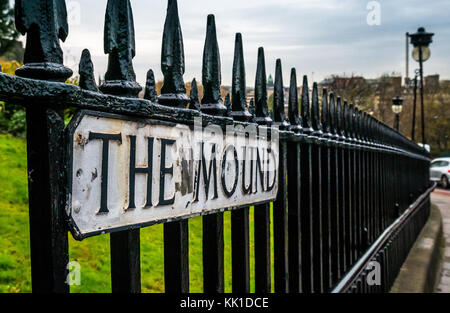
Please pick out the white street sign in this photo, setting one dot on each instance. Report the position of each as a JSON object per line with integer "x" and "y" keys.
{"x": 129, "y": 173}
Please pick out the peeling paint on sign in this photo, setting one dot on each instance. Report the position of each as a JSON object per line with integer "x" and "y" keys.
{"x": 126, "y": 174}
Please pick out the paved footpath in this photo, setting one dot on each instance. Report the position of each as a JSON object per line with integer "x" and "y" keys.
{"x": 441, "y": 198}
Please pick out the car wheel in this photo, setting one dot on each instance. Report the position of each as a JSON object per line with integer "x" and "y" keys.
{"x": 444, "y": 182}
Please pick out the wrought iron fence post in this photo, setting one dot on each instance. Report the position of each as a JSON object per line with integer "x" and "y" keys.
{"x": 348, "y": 185}
{"x": 343, "y": 235}
{"x": 240, "y": 218}
{"x": 326, "y": 184}
{"x": 364, "y": 173}
{"x": 294, "y": 181}
{"x": 316, "y": 178}
{"x": 213, "y": 240}
{"x": 280, "y": 221}
{"x": 120, "y": 80}
{"x": 334, "y": 194}
{"x": 173, "y": 94}
{"x": 306, "y": 201}
{"x": 45, "y": 141}
{"x": 262, "y": 212}
{"x": 359, "y": 182}
{"x": 353, "y": 178}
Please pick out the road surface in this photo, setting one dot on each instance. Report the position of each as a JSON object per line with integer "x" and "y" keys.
{"x": 441, "y": 198}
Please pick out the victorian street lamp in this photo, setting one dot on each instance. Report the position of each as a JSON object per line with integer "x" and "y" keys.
{"x": 421, "y": 53}
{"x": 413, "y": 134}
{"x": 397, "y": 107}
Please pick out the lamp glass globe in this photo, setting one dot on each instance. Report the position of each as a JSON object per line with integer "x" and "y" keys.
{"x": 426, "y": 53}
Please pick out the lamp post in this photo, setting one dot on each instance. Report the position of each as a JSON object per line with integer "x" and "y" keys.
{"x": 421, "y": 53}
{"x": 397, "y": 108}
{"x": 413, "y": 135}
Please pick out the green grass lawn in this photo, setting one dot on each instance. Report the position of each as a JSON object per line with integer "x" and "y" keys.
{"x": 93, "y": 254}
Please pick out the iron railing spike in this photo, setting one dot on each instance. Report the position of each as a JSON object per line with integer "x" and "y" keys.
{"x": 86, "y": 71}
{"x": 351, "y": 121}
{"x": 345, "y": 119}
{"x": 364, "y": 126}
{"x": 150, "y": 87}
{"x": 306, "y": 117}
{"x": 239, "y": 89}
{"x": 332, "y": 114}
{"x": 252, "y": 109}
{"x": 358, "y": 124}
{"x": 262, "y": 114}
{"x": 294, "y": 114}
{"x": 44, "y": 27}
{"x": 173, "y": 91}
{"x": 315, "y": 110}
{"x": 212, "y": 102}
{"x": 228, "y": 104}
{"x": 194, "y": 103}
{"x": 119, "y": 44}
{"x": 278, "y": 97}
{"x": 325, "y": 116}
{"x": 339, "y": 118}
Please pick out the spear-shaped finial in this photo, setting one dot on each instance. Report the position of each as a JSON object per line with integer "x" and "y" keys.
{"x": 332, "y": 115}
{"x": 358, "y": 117}
{"x": 325, "y": 113}
{"x": 364, "y": 125}
{"x": 45, "y": 23}
{"x": 173, "y": 92}
{"x": 262, "y": 114}
{"x": 373, "y": 129}
{"x": 278, "y": 98}
{"x": 369, "y": 129}
{"x": 351, "y": 121}
{"x": 194, "y": 103}
{"x": 211, "y": 75}
{"x": 252, "y": 109}
{"x": 119, "y": 44}
{"x": 294, "y": 115}
{"x": 150, "y": 87}
{"x": 228, "y": 104}
{"x": 339, "y": 118}
{"x": 345, "y": 119}
{"x": 306, "y": 117}
{"x": 86, "y": 71}
{"x": 239, "y": 90}
{"x": 315, "y": 112}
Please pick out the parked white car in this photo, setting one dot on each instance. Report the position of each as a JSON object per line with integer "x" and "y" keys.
{"x": 440, "y": 171}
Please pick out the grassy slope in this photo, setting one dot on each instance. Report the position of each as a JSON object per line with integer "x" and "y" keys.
{"x": 14, "y": 229}
{"x": 93, "y": 253}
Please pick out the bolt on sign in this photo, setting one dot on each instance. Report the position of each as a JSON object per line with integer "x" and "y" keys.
{"x": 126, "y": 173}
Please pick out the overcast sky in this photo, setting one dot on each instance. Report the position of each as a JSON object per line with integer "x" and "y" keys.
{"x": 318, "y": 37}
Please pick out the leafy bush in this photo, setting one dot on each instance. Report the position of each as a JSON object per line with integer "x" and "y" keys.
{"x": 18, "y": 124}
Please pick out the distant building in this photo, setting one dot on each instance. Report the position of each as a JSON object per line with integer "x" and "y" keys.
{"x": 445, "y": 83}
{"x": 393, "y": 83}
{"x": 342, "y": 82}
{"x": 270, "y": 82}
{"x": 432, "y": 81}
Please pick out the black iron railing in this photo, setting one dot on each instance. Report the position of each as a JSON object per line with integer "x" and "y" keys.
{"x": 351, "y": 189}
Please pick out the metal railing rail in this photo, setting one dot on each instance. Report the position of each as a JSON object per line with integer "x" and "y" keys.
{"x": 350, "y": 278}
